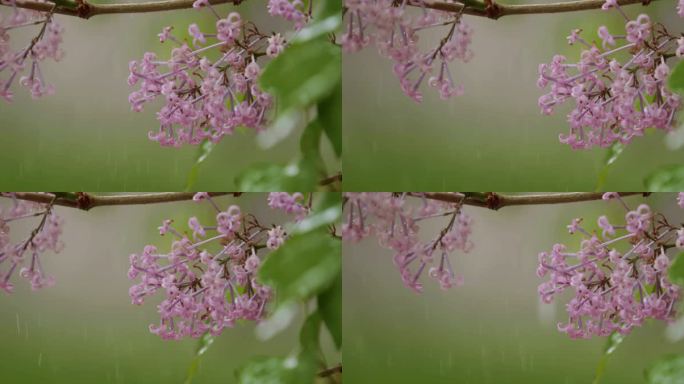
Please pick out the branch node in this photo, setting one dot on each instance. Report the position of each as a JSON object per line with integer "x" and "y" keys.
{"x": 493, "y": 201}
{"x": 83, "y": 9}
{"x": 83, "y": 201}
{"x": 492, "y": 9}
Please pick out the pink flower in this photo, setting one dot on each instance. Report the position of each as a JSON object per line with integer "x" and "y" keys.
{"x": 205, "y": 99}
{"x": 200, "y": 3}
{"x": 276, "y": 237}
{"x": 613, "y": 291}
{"x": 200, "y": 196}
{"x": 607, "y": 38}
{"x": 605, "y": 226}
{"x": 395, "y": 32}
{"x": 197, "y": 229}
{"x": 197, "y": 35}
{"x": 165, "y": 34}
{"x": 290, "y": 203}
{"x": 24, "y": 255}
{"x": 609, "y": 4}
{"x": 289, "y": 10}
{"x": 680, "y": 199}
{"x": 394, "y": 222}
{"x": 680, "y": 238}
{"x": 613, "y": 101}
{"x": 22, "y": 65}
{"x": 208, "y": 285}
{"x": 276, "y": 44}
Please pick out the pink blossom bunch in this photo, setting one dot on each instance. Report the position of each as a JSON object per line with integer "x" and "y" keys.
{"x": 618, "y": 276}
{"x": 24, "y": 255}
{"x": 22, "y": 64}
{"x": 206, "y": 99}
{"x": 394, "y": 29}
{"x": 209, "y": 275}
{"x": 395, "y": 222}
{"x": 290, "y": 203}
{"x": 614, "y": 100}
{"x": 291, "y": 10}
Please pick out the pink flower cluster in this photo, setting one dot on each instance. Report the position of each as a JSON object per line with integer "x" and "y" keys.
{"x": 291, "y": 10}
{"x": 209, "y": 274}
{"x": 23, "y": 65}
{"x": 207, "y": 99}
{"x": 618, "y": 276}
{"x": 24, "y": 255}
{"x": 614, "y": 101}
{"x": 290, "y": 203}
{"x": 395, "y": 32}
{"x": 395, "y": 222}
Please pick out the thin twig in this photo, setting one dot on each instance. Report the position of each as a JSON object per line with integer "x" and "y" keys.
{"x": 500, "y": 10}
{"x": 87, "y": 10}
{"x": 87, "y": 201}
{"x": 495, "y": 200}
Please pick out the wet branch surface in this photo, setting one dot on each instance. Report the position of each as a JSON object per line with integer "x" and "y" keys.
{"x": 488, "y": 8}
{"x": 496, "y": 200}
{"x": 87, "y": 201}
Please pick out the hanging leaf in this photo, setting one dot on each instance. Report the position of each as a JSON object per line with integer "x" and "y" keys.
{"x": 668, "y": 370}
{"x": 303, "y": 267}
{"x": 676, "y": 80}
{"x": 330, "y": 307}
{"x": 613, "y": 341}
{"x": 203, "y": 153}
{"x": 666, "y": 179}
{"x": 203, "y": 345}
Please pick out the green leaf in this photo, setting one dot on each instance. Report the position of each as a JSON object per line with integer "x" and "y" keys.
{"x": 303, "y": 74}
{"x": 613, "y": 341}
{"x": 676, "y": 80}
{"x": 330, "y": 307}
{"x": 612, "y": 155}
{"x": 676, "y": 270}
{"x": 327, "y": 18}
{"x": 299, "y": 369}
{"x": 303, "y": 267}
{"x": 310, "y": 332}
{"x": 668, "y": 370}
{"x": 666, "y": 179}
{"x": 202, "y": 346}
{"x": 330, "y": 116}
{"x": 299, "y": 176}
{"x": 277, "y": 322}
{"x": 281, "y": 128}
{"x": 326, "y": 212}
{"x": 202, "y": 154}
{"x": 310, "y": 145}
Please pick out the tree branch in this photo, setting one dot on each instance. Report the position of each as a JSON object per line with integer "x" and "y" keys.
{"x": 490, "y": 9}
{"x": 494, "y": 10}
{"x": 495, "y": 201}
{"x": 86, "y": 201}
{"x": 86, "y": 10}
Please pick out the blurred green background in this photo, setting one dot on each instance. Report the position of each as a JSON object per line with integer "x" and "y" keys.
{"x": 85, "y": 137}
{"x": 493, "y": 137}
{"x": 493, "y": 329}
{"x": 85, "y": 329}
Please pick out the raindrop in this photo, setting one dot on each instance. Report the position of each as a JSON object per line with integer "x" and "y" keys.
{"x": 18, "y": 327}
{"x": 40, "y": 359}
